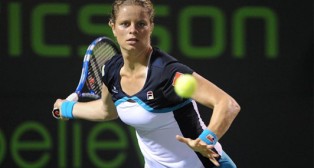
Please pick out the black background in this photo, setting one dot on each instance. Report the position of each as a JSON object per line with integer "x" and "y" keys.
{"x": 274, "y": 128}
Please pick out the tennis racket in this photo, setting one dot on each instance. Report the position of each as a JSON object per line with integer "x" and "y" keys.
{"x": 98, "y": 52}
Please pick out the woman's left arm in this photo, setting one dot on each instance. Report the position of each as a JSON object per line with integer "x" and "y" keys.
{"x": 225, "y": 108}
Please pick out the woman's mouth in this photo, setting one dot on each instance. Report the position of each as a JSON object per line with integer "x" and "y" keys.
{"x": 132, "y": 41}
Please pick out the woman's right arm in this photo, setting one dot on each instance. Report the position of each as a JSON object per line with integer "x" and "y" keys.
{"x": 98, "y": 110}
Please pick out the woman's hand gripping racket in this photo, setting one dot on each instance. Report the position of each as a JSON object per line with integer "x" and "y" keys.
{"x": 98, "y": 52}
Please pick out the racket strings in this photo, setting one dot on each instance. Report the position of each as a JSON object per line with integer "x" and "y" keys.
{"x": 101, "y": 53}
{"x": 93, "y": 79}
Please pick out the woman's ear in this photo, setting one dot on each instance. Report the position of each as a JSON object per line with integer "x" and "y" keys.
{"x": 111, "y": 24}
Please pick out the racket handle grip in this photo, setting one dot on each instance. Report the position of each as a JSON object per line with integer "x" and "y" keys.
{"x": 72, "y": 97}
{"x": 56, "y": 112}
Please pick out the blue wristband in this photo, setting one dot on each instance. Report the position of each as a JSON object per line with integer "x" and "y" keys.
{"x": 67, "y": 109}
{"x": 208, "y": 137}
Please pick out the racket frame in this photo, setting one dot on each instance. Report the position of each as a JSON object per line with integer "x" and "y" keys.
{"x": 84, "y": 74}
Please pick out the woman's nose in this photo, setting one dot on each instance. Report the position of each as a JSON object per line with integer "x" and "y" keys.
{"x": 133, "y": 29}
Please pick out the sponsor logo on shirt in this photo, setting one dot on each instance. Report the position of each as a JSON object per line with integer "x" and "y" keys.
{"x": 114, "y": 89}
{"x": 150, "y": 95}
{"x": 176, "y": 76}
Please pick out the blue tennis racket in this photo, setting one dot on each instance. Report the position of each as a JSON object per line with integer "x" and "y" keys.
{"x": 98, "y": 52}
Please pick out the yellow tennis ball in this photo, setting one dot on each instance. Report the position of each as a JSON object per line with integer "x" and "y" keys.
{"x": 185, "y": 85}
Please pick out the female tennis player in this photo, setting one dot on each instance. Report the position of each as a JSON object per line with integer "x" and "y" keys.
{"x": 138, "y": 89}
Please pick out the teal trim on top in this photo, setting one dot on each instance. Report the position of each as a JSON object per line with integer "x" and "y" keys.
{"x": 150, "y": 109}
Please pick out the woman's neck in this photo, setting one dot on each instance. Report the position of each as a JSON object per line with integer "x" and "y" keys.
{"x": 133, "y": 61}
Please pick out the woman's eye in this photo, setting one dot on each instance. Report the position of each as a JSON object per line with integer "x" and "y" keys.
{"x": 124, "y": 24}
{"x": 142, "y": 24}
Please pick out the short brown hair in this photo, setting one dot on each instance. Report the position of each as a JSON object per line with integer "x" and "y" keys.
{"x": 143, "y": 3}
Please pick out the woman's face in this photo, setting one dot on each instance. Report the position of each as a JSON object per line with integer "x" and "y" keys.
{"x": 132, "y": 28}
